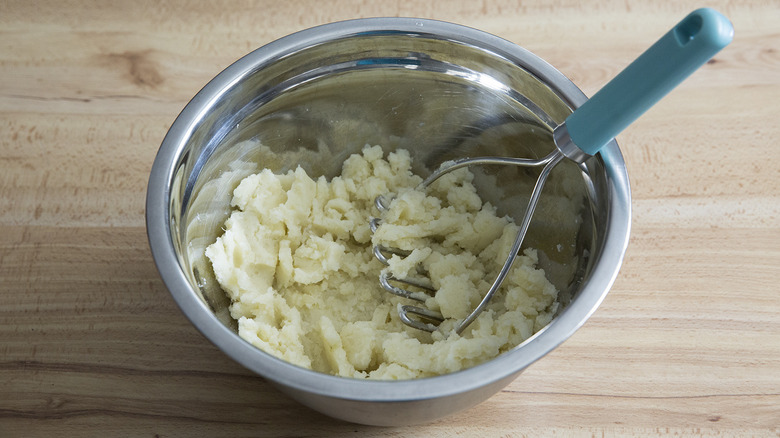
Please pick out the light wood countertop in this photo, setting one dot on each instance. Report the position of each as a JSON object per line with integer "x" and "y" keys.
{"x": 687, "y": 343}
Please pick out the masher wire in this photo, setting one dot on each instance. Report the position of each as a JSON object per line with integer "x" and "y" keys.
{"x": 426, "y": 319}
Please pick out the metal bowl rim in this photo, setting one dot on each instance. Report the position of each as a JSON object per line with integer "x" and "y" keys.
{"x": 286, "y": 374}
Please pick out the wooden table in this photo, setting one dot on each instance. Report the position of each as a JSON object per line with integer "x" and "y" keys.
{"x": 91, "y": 343}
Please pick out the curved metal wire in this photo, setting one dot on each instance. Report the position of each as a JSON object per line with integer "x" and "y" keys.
{"x": 426, "y": 319}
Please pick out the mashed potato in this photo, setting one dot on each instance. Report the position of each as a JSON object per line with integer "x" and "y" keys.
{"x": 296, "y": 262}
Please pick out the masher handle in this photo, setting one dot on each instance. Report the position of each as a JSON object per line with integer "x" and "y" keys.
{"x": 685, "y": 48}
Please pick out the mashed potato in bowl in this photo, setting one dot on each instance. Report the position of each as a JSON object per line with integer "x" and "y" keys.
{"x": 296, "y": 261}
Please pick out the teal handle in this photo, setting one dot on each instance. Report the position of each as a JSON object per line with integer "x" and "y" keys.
{"x": 685, "y": 48}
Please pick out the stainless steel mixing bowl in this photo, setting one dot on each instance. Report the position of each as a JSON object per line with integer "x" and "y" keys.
{"x": 440, "y": 90}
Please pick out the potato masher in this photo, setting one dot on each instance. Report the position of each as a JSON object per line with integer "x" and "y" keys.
{"x": 681, "y": 51}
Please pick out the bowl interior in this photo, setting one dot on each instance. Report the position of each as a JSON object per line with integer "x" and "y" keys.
{"x": 314, "y": 104}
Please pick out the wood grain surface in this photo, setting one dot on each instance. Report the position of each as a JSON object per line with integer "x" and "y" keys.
{"x": 687, "y": 343}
